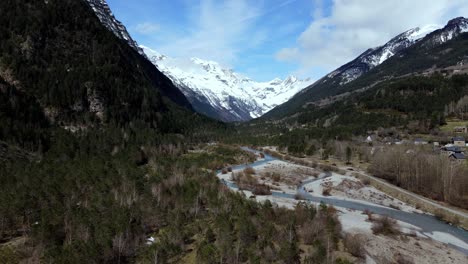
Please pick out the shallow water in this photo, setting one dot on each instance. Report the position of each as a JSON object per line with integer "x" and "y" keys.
{"x": 427, "y": 223}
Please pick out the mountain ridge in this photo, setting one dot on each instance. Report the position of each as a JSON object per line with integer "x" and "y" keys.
{"x": 220, "y": 92}
{"x": 243, "y": 99}
{"x": 107, "y": 18}
{"x": 332, "y": 84}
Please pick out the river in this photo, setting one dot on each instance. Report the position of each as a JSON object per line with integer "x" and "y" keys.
{"x": 427, "y": 223}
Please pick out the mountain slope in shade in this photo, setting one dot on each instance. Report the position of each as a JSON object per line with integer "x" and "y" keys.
{"x": 107, "y": 18}
{"x": 410, "y": 48}
{"x": 376, "y": 56}
{"x": 221, "y": 93}
{"x": 79, "y": 73}
{"x": 453, "y": 28}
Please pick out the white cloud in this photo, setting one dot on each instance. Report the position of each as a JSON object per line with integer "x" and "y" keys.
{"x": 147, "y": 28}
{"x": 352, "y": 26}
{"x": 220, "y": 30}
{"x": 217, "y": 31}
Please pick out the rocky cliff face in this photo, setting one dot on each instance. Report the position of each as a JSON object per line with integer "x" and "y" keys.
{"x": 107, "y": 18}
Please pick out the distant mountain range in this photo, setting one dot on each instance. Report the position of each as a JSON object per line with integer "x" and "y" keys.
{"x": 221, "y": 93}
{"x": 213, "y": 90}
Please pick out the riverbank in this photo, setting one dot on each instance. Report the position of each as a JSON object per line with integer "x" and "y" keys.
{"x": 430, "y": 230}
{"x": 447, "y": 213}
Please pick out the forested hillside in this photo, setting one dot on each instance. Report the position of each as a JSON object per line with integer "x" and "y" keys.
{"x": 80, "y": 73}
{"x": 411, "y": 105}
{"x": 99, "y": 151}
{"x": 423, "y": 58}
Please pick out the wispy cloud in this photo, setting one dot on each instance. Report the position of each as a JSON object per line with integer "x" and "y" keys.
{"x": 147, "y": 28}
{"x": 353, "y": 26}
{"x": 222, "y": 30}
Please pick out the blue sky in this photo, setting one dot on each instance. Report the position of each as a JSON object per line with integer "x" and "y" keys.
{"x": 264, "y": 39}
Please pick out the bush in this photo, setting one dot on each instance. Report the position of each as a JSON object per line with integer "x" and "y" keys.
{"x": 249, "y": 171}
{"x": 326, "y": 192}
{"x": 403, "y": 259}
{"x": 385, "y": 226}
{"x": 355, "y": 245}
{"x": 8, "y": 255}
{"x": 261, "y": 189}
{"x": 207, "y": 253}
{"x": 369, "y": 215}
{"x": 343, "y": 261}
{"x": 366, "y": 181}
{"x": 276, "y": 177}
{"x": 455, "y": 220}
{"x": 299, "y": 197}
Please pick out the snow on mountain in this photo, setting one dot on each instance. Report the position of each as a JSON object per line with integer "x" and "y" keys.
{"x": 212, "y": 89}
{"x": 107, "y": 18}
{"x": 453, "y": 28}
{"x": 376, "y": 56}
{"x": 220, "y": 92}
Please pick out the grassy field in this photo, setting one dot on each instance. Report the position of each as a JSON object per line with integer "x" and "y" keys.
{"x": 451, "y": 124}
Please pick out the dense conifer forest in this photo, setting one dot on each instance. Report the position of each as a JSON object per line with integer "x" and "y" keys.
{"x": 107, "y": 161}
{"x": 103, "y": 152}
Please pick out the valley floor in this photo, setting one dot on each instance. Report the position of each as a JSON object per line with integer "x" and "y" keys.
{"x": 288, "y": 182}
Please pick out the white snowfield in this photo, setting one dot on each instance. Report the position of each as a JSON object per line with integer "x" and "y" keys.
{"x": 220, "y": 85}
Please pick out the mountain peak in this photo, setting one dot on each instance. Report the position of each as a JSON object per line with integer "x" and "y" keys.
{"x": 220, "y": 92}
{"x": 453, "y": 28}
{"x": 457, "y": 21}
{"x": 276, "y": 81}
{"x": 418, "y": 33}
{"x": 204, "y": 62}
{"x": 375, "y": 56}
{"x": 107, "y": 18}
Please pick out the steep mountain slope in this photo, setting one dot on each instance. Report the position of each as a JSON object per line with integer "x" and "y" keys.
{"x": 107, "y": 18}
{"x": 126, "y": 172}
{"x": 59, "y": 60}
{"x": 376, "y": 56}
{"x": 409, "y": 55}
{"x": 221, "y": 93}
{"x": 211, "y": 89}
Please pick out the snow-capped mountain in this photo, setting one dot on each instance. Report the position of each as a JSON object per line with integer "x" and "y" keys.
{"x": 107, "y": 18}
{"x": 221, "y": 93}
{"x": 211, "y": 89}
{"x": 376, "y": 56}
{"x": 416, "y": 49}
{"x": 453, "y": 28}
